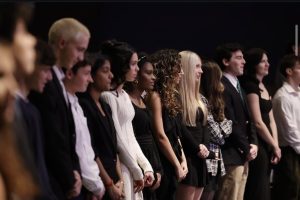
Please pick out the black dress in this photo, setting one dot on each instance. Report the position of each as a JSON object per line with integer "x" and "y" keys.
{"x": 197, "y": 175}
{"x": 169, "y": 182}
{"x": 143, "y": 132}
{"x": 258, "y": 182}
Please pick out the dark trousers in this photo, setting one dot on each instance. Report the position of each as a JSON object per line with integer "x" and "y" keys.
{"x": 287, "y": 176}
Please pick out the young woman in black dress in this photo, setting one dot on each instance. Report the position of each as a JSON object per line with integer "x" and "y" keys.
{"x": 142, "y": 121}
{"x": 169, "y": 130}
{"x": 101, "y": 127}
{"x": 194, "y": 114}
{"x": 260, "y": 107}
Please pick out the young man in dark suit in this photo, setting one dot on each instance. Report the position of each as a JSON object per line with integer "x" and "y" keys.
{"x": 69, "y": 39}
{"x": 240, "y": 147}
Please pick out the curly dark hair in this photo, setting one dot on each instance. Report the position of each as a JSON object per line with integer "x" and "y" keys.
{"x": 166, "y": 67}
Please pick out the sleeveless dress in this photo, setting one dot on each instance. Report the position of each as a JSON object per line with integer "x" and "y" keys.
{"x": 143, "y": 132}
{"x": 169, "y": 182}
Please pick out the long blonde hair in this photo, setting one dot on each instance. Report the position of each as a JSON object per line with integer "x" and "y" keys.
{"x": 189, "y": 90}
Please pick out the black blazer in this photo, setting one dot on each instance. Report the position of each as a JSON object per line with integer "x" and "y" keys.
{"x": 103, "y": 136}
{"x": 60, "y": 136}
{"x": 237, "y": 145}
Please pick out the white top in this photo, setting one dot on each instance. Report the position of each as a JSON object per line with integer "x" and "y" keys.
{"x": 89, "y": 168}
{"x": 287, "y": 116}
{"x": 130, "y": 152}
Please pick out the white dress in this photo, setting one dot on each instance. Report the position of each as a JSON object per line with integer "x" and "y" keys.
{"x": 131, "y": 156}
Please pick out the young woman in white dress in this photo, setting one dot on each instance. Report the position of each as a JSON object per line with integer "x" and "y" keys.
{"x": 136, "y": 169}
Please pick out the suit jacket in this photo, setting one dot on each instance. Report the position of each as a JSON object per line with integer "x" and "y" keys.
{"x": 237, "y": 145}
{"x": 60, "y": 137}
{"x": 103, "y": 136}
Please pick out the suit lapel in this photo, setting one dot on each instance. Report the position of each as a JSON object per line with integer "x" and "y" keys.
{"x": 236, "y": 93}
{"x": 59, "y": 87}
{"x": 96, "y": 109}
{"x": 110, "y": 121}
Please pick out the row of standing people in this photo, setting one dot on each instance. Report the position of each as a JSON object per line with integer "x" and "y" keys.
{"x": 188, "y": 127}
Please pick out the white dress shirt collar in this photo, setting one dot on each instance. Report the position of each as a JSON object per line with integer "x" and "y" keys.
{"x": 232, "y": 79}
{"x": 290, "y": 89}
{"x": 72, "y": 98}
{"x": 59, "y": 73}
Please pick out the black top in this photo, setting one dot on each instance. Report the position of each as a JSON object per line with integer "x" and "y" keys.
{"x": 197, "y": 175}
{"x": 36, "y": 141}
{"x": 103, "y": 133}
{"x": 199, "y": 131}
{"x": 172, "y": 130}
{"x": 252, "y": 86}
{"x": 144, "y": 135}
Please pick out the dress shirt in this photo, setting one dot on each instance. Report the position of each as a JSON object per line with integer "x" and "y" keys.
{"x": 232, "y": 79}
{"x": 89, "y": 168}
{"x": 287, "y": 116}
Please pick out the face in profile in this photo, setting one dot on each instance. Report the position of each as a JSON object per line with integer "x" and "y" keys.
{"x": 146, "y": 77}
{"x": 295, "y": 73}
{"x": 131, "y": 74}
{"x": 262, "y": 69}
{"x": 81, "y": 79}
{"x": 179, "y": 73}
{"x": 198, "y": 68}
{"x": 40, "y": 77}
{"x": 23, "y": 48}
{"x": 102, "y": 78}
{"x": 72, "y": 51}
{"x": 8, "y": 84}
{"x": 235, "y": 65}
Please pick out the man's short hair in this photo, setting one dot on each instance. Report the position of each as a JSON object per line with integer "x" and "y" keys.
{"x": 225, "y": 51}
{"x": 66, "y": 28}
{"x": 44, "y": 54}
{"x": 288, "y": 61}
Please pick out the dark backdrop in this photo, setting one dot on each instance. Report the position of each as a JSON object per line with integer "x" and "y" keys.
{"x": 196, "y": 26}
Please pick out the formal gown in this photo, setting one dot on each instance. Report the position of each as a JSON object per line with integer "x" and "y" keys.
{"x": 133, "y": 161}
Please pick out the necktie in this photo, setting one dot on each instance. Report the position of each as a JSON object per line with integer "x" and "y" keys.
{"x": 238, "y": 87}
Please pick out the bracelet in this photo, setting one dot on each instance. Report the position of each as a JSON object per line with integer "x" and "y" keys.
{"x": 109, "y": 184}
